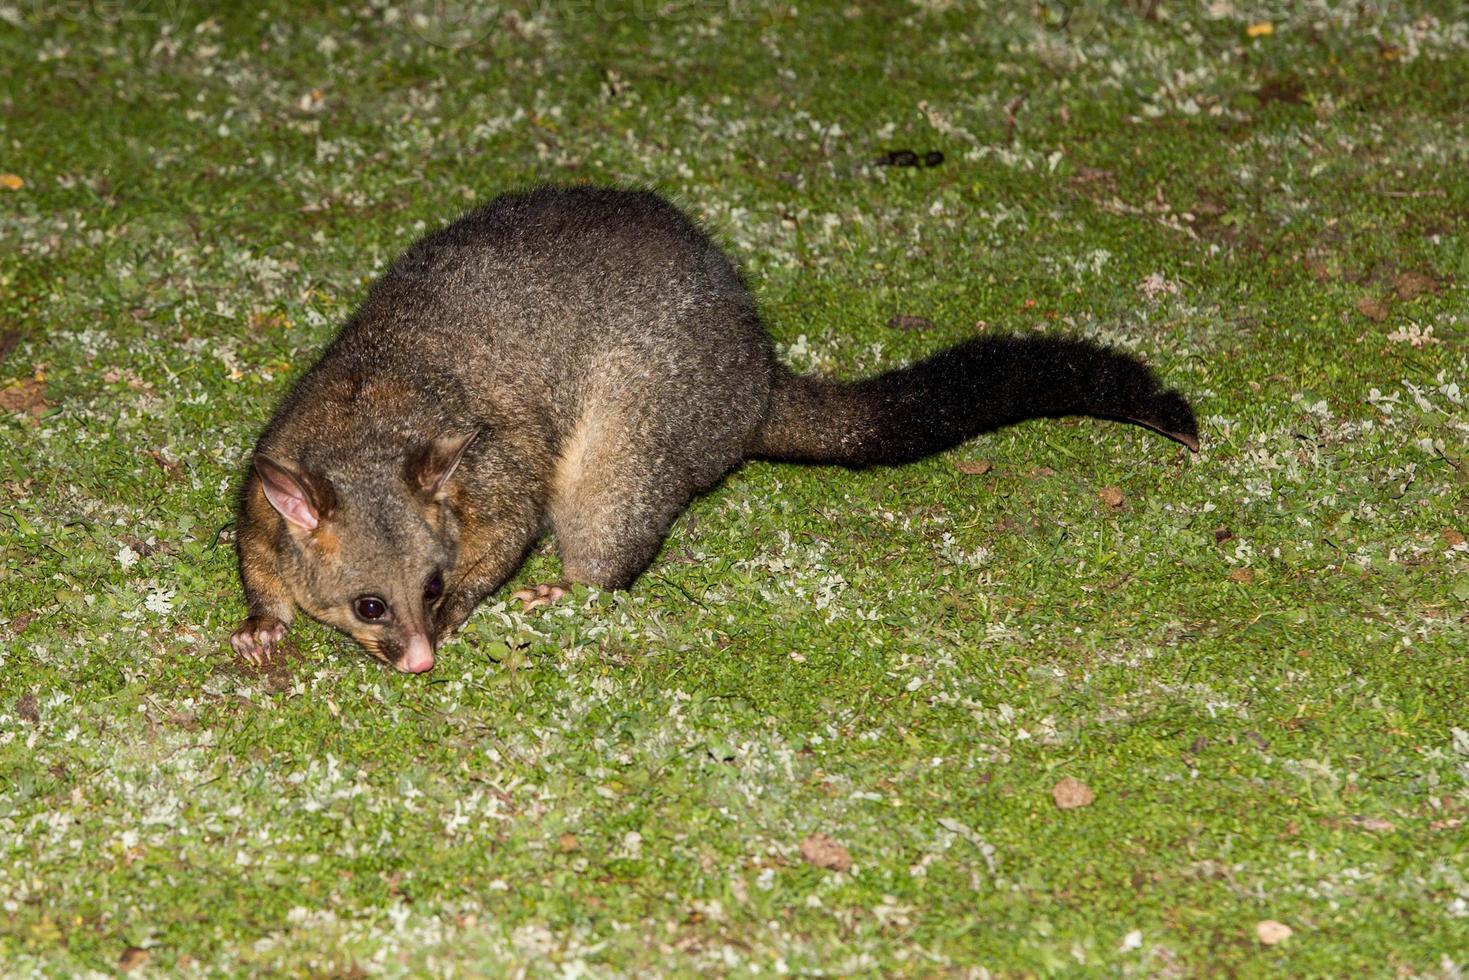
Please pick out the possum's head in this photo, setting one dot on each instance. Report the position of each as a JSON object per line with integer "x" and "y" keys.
{"x": 373, "y": 549}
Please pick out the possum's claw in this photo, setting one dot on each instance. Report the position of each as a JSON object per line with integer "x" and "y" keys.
{"x": 256, "y": 638}
{"x": 539, "y": 595}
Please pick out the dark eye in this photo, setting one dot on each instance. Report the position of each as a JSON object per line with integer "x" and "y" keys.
{"x": 434, "y": 587}
{"x": 370, "y": 607}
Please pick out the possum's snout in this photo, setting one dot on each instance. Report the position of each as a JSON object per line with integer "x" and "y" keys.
{"x": 417, "y": 655}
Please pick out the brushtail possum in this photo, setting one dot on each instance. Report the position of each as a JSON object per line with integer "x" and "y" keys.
{"x": 583, "y": 361}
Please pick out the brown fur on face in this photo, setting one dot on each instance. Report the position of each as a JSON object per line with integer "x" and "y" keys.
{"x": 327, "y": 569}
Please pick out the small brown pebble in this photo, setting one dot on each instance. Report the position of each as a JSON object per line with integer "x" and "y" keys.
{"x": 1111, "y": 496}
{"x": 1244, "y": 576}
{"x": 568, "y": 843}
{"x": 823, "y": 852}
{"x": 1373, "y": 309}
{"x": 1453, "y": 537}
{"x": 974, "y": 467}
{"x": 143, "y": 548}
{"x": 132, "y": 958}
{"x": 1072, "y": 794}
{"x": 1198, "y": 745}
{"x": 1272, "y": 933}
{"x": 906, "y": 321}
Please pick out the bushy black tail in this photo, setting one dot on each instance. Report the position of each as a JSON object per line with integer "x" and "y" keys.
{"x": 956, "y": 394}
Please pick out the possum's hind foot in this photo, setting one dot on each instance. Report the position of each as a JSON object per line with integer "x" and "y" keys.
{"x": 539, "y": 595}
{"x": 257, "y": 637}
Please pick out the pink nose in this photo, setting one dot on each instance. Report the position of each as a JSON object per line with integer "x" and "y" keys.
{"x": 417, "y": 657}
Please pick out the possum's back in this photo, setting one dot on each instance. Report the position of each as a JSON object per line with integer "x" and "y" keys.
{"x": 557, "y": 287}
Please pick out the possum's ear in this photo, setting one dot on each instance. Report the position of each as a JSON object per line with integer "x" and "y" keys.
{"x": 428, "y": 468}
{"x": 303, "y": 500}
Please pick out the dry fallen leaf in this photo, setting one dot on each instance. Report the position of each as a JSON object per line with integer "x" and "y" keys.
{"x": 132, "y": 958}
{"x": 823, "y": 852}
{"x": 25, "y": 396}
{"x": 974, "y": 467}
{"x": 1373, "y": 823}
{"x": 1222, "y": 534}
{"x": 1282, "y": 88}
{"x": 1244, "y": 576}
{"x": 1412, "y": 284}
{"x": 9, "y": 340}
{"x": 1272, "y": 933}
{"x": 1072, "y": 794}
{"x": 262, "y": 320}
{"x": 1373, "y": 309}
{"x": 1093, "y": 175}
{"x": 1111, "y": 496}
{"x": 25, "y": 709}
{"x": 1319, "y": 270}
{"x": 905, "y": 321}
{"x": 11, "y": 182}
{"x": 1453, "y": 537}
{"x": 169, "y": 466}
{"x": 568, "y": 843}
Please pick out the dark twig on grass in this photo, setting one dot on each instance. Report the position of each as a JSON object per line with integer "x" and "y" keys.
{"x": 1012, "y": 110}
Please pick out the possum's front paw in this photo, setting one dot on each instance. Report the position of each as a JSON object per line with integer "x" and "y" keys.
{"x": 256, "y": 638}
{"x": 539, "y": 595}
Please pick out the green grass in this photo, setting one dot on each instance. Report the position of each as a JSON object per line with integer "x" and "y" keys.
{"x": 906, "y": 660}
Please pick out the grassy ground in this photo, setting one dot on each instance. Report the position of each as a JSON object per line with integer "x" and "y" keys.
{"x": 1255, "y": 659}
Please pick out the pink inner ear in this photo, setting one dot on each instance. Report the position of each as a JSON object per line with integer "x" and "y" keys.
{"x": 291, "y": 501}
